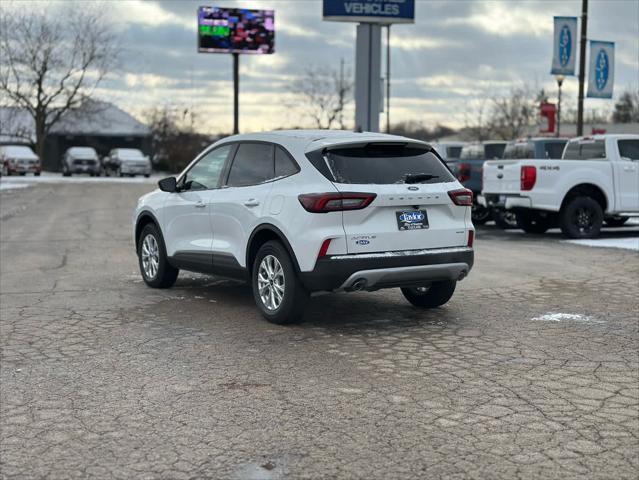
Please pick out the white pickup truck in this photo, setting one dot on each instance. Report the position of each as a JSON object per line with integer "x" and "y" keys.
{"x": 595, "y": 181}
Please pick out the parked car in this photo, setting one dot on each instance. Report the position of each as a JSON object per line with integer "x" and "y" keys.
{"x": 295, "y": 212}
{"x": 468, "y": 170}
{"x": 80, "y": 160}
{"x": 595, "y": 181}
{"x": 542, "y": 147}
{"x": 449, "y": 151}
{"x": 19, "y": 159}
{"x": 127, "y": 161}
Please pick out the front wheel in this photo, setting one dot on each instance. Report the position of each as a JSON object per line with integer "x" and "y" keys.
{"x": 581, "y": 217}
{"x": 154, "y": 266}
{"x": 37, "y": 174}
{"x": 505, "y": 219}
{"x": 278, "y": 292}
{"x": 435, "y": 295}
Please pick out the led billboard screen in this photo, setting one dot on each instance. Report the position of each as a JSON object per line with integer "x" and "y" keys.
{"x": 235, "y": 30}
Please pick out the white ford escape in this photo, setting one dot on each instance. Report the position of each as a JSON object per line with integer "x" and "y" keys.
{"x": 296, "y": 212}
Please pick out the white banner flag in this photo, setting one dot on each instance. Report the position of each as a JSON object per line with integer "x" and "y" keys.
{"x": 601, "y": 72}
{"x": 564, "y": 46}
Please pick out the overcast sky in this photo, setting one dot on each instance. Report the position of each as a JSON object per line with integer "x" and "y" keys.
{"x": 455, "y": 54}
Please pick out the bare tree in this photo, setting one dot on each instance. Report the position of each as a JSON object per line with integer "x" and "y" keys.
{"x": 627, "y": 108}
{"x": 324, "y": 94}
{"x": 512, "y": 115}
{"x": 476, "y": 125}
{"x": 51, "y": 64}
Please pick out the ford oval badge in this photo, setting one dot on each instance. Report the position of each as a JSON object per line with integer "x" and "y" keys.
{"x": 413, "y": 188}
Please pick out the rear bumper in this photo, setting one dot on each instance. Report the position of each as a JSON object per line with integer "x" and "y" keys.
{"x": 388, "y": 269}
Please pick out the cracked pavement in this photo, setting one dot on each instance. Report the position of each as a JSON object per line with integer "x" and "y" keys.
{"x": 103, "y": 377}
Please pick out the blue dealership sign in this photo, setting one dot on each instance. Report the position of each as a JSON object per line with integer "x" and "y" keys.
{"x": 601, "y": 72}
{"x": 565, "y": 41}
{"x": 370, "y": 11}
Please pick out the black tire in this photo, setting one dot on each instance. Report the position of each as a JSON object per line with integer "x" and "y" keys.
{"x": 119, "y": 173}
{"x": 616, "y": 221}
{"x": 37, "y": 174}
{"x": 581, "y": 217}
{"x": 480, "y": 214}
{"x": 22, "y": 174}
{"x": 532, "y": 222}
{"x": 295, "y": 296}
{"x": 505, "y": 219}
{"x": 146, "y": 175}
{"x": 430, "y": 297}
{"x": 166, "y": 274}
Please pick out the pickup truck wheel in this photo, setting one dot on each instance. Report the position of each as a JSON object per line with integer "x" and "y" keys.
{"x": 154, "y": 266}
{"x": 480, "y": 214}
{"x": 616, "y": 221}
{"x": 532, "y": 222}
{"x": 505, "y": 219}
{"x": 581, "y": 217}
{"x": 437, "y": 294}
{"x": 278, "y": 293}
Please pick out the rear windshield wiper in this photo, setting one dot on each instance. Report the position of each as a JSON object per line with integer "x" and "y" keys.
{"x": 418, "y": 177}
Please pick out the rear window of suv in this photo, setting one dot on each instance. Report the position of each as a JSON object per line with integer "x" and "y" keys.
{"x": 384, "y": 164}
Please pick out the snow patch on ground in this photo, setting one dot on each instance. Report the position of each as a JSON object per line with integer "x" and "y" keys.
{"x": 563, "y": 317}
{"x": 631, "y": 243}
{"x": 4, "y": 185}
{"x": 12, "y": 183}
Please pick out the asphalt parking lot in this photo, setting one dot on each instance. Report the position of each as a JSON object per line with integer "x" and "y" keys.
{"x": 531, "y": 371}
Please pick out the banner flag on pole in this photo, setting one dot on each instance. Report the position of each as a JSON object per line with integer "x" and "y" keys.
{"x": 564, "y": 46}
{"x": 601, "y": 71}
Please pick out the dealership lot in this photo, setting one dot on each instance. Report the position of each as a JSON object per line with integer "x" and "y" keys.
{"x": 532, "y": 369}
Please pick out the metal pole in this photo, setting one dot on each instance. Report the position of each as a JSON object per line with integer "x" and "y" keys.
{"x": 236, "y": 93}
{"x": 582, "y": 67}
{"x": 559, "y": 82}
{"x": 388, "y": 80}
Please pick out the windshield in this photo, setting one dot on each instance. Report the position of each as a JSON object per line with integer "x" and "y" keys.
{"x": 83, "y": 151}
{"x": 386, "y": 164}
{"x": 130, "y": 153}
{"x": 18, "y": 151}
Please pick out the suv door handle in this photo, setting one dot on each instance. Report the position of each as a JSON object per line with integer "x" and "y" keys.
{"x": 200, "y": 205}
{"x": 252, "y": 202}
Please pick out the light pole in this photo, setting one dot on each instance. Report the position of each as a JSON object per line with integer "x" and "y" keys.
{"x": 560, "y": 80}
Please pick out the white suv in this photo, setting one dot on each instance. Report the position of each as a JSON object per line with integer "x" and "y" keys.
{"x": 296, "y": 212}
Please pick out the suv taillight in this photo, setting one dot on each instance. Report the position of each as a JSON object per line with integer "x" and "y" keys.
{"x": 335, "y": 201}
{"x": 463, "y": 172}
{"x": 528, "y": 177}
{"x": 463, "y": 197}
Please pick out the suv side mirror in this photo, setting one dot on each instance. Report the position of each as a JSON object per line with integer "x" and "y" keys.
{"x": 168, "y": 184}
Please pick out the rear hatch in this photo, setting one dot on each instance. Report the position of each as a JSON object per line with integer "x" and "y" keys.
{"x": 412, "y": 208}
{"x": 502, "y": 176}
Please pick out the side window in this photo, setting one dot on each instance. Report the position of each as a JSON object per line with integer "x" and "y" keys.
{"x": 572, "y": 151}
{"x": 554, "y": 149}
{"x": 205, "y": 174}
{"x": 284, "y": 165}
{"x": 593, "y": 150}
{"x": 629, "y": 149}
{"x": 253, "y": 164}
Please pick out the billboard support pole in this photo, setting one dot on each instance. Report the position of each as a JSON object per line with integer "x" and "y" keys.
{"x": 236, "y": 93}
{"x": 388, "y": 80}
{"x": 368, "y": 59}
{"x": 582, "y": 68}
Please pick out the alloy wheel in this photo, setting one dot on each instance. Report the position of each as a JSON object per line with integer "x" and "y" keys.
{"x": 271, "y": 282}
{"x": 150, "y": 256}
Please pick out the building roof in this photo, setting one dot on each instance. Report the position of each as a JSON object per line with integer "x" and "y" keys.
{"x": 92, "y": 118}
